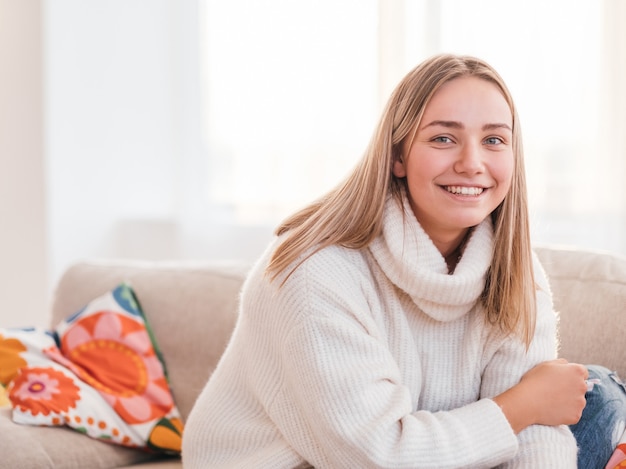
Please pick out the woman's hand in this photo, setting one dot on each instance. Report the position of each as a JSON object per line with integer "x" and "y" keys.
{"x": 551, "y": 393}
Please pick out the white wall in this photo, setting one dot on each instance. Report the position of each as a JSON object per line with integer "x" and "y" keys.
{"x": 117, "y": 170}
{"x": 112, "y": 119}
{"x": 125, "y": 150}
{"x": 23, "y": 254}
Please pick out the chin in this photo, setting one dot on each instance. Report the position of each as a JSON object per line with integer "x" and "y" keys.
{"x": 467, "y": 220}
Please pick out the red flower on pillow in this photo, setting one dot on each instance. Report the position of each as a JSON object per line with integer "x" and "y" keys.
{"x": 113, "y": 353}
{"x": 43, "y": 390}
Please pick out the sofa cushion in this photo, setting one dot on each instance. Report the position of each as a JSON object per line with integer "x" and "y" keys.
{"x": 589, "y": 291}
{"x": 27, "y": 446}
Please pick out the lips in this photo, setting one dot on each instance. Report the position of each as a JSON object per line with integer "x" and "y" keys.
{"x": 464, "y": 190}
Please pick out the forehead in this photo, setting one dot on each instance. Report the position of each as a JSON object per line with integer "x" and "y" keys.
{"x": 469, "y": 99}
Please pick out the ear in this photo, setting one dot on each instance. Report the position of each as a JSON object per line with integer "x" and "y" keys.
{"x": 398, "y": 168}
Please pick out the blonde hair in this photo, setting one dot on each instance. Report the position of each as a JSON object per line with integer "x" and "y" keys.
{"x": 351, "y": 214}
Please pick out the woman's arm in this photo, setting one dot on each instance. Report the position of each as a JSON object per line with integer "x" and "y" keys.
{"x": 537, "y": 393}
{"x": 343, "y": 403}
{"x": 552, "y": 393}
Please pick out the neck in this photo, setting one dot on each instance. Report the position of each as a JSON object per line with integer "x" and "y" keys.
{"x": 454, "y": 250}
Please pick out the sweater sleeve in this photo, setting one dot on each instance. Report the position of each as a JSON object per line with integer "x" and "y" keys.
{"x": 342, "y": 402}
{"x": 343, "y": 387}
{"x": 539, "y": 446}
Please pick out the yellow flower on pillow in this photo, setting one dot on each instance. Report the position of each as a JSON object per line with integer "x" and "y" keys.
{"x": 10, "y": 359}
{"x": 4, "y": 398}
{"x": 167, "y": 435}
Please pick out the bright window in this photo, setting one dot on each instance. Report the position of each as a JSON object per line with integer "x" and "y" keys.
{"x": 293, "y": 92}
{"x": 291, "y": 99}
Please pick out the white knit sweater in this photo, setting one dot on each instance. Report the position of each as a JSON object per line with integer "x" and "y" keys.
{"x": 373, "y": 358}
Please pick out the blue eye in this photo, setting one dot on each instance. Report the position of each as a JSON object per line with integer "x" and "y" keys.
{"x": 493, "y": 141}
{"x": 442, "y": 139}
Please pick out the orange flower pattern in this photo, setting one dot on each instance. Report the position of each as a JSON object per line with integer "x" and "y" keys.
{"x": 43, "y": 390}
{"x": 114, "y": 354}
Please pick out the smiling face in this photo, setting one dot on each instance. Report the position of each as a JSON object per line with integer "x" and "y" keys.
{"x": 459, "y": 165}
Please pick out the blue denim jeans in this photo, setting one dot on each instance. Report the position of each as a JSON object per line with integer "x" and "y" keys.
{"x": 603, "y": 419}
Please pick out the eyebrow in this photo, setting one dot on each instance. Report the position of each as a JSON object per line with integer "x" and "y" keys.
{"x": 459, "y": 125}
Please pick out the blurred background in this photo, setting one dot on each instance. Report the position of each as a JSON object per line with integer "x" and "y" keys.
{"x": 187, "y": 129}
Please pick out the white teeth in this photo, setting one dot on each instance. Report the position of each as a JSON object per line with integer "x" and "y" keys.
{"x": 465, "y": 190}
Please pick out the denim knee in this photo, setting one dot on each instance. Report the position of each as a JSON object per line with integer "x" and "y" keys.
{"x": 603, "y": 420}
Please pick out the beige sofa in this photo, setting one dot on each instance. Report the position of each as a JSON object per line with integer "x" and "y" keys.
{"x": 192, "y": 309}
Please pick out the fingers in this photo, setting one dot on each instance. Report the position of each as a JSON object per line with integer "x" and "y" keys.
{"x": 585, "y": 372}
{"x": 583, "y": 369}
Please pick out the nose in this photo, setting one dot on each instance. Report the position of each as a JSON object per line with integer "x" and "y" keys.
{"x": 470, "y": 159}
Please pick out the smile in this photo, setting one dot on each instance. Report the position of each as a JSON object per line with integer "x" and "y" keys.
{"x": 462, "y": 190}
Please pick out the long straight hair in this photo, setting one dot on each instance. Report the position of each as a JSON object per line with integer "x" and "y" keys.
{"x": 351, "y": 214}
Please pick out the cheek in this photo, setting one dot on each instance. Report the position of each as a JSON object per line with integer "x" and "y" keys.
{"x": 503, "y": 172}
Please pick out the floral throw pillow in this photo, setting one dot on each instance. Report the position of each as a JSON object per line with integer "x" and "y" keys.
{"x": 99, "y": 372}
{"x": 618, "y": 458}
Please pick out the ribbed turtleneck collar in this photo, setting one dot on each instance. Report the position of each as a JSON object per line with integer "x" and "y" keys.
{"x": 409, "y": 258}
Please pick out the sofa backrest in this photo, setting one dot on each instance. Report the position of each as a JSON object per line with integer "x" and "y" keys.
{"x": 191, "y": 309}
{"x": 589, "y": 290}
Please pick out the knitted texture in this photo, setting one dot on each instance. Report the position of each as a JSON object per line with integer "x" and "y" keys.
{"x": 373, "y": 358}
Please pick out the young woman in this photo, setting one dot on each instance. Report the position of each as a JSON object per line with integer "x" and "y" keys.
{"x": 402, "y": 320}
